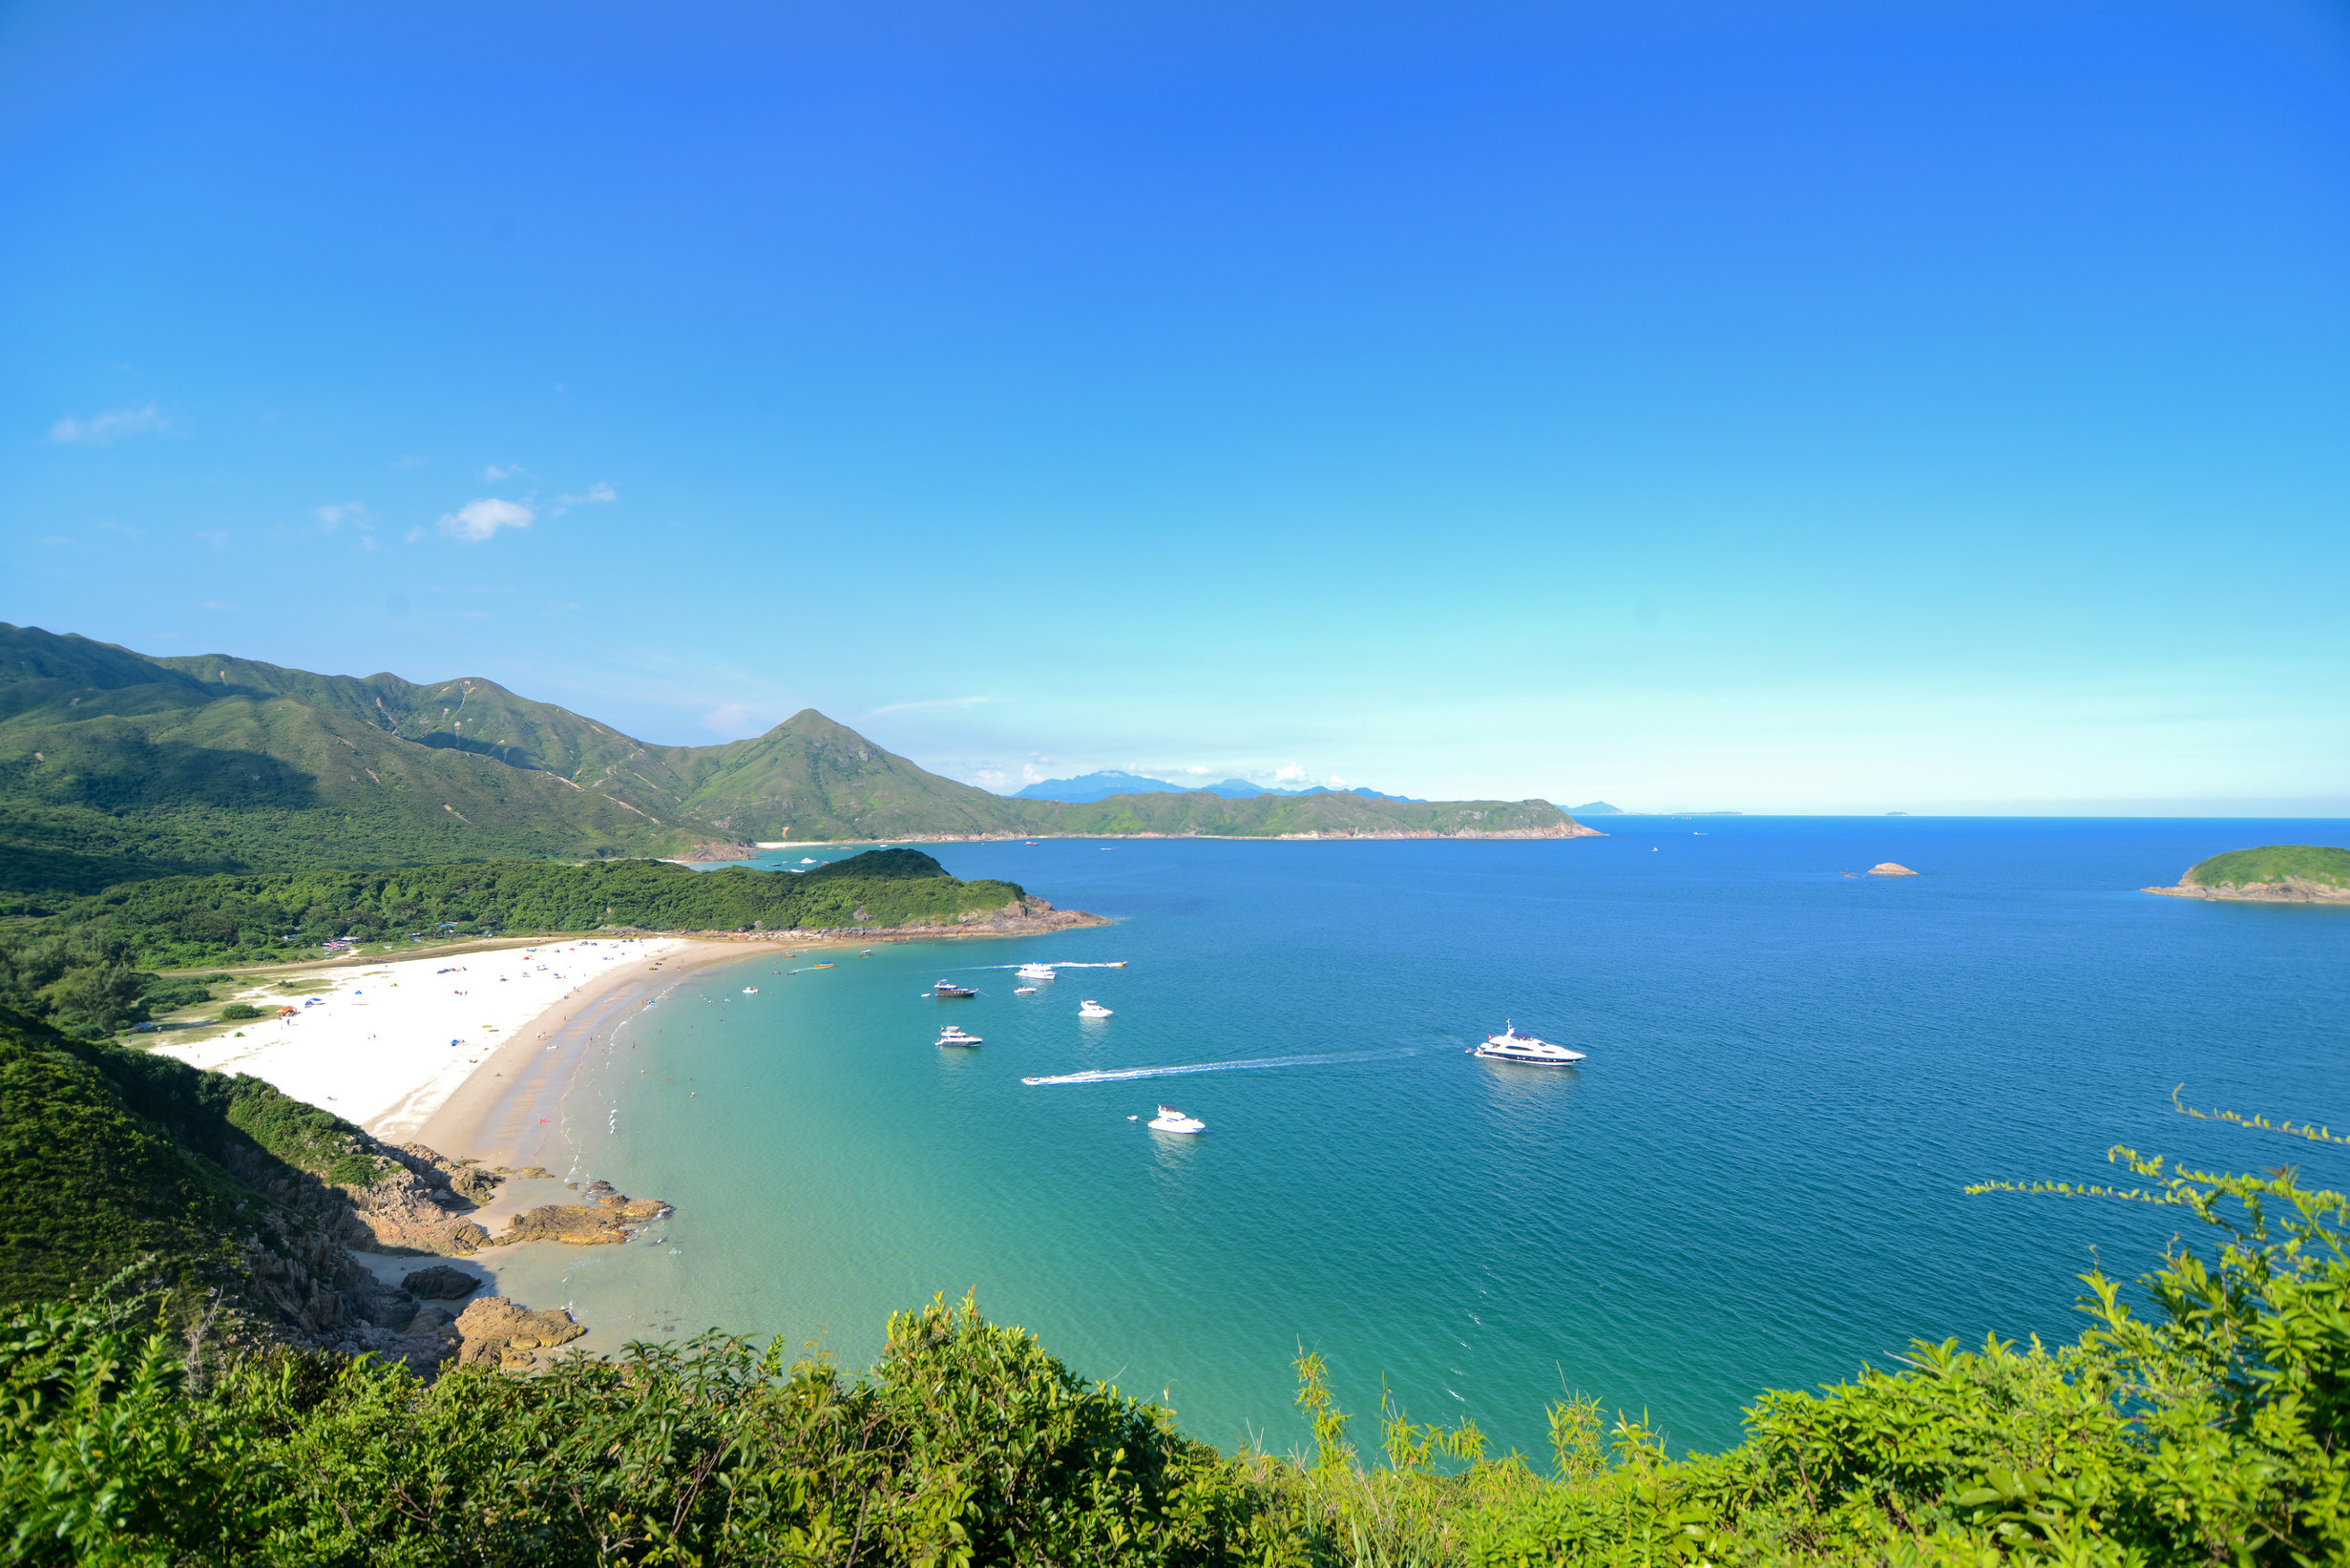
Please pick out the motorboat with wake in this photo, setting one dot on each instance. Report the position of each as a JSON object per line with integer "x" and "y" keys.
{"x": 1023, "y": 990}
{"x": 1090, "y": 1009}
{"x": 952, "y": 1035}
{"x": 1510, "y": 1045}
{"x": 947, "y": 988}
{"x": 1036, "y": 972}
{"x": 1171, "y": 1120}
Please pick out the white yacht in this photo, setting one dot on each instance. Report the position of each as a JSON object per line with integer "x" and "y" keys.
{"x": 808, "y": 860}
{"x": 751, "y": 991}
{"x": 1511, "y": 1045}
{"x": 1090, "y": 1009}
{"x": 1171, "y": 1120}
{"x": 1036, "y": 972}
{"x": 954, "y": 1034}
{"x": 1023, "y": 990}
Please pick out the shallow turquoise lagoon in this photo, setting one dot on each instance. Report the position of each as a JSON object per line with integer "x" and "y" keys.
{"x": 1754, "y": 1181}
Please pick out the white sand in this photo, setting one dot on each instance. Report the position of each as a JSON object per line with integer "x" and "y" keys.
{"x": 388, "y": 1043}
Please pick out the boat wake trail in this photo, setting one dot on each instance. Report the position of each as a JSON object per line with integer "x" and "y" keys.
{"x": 1128, "y": 1075}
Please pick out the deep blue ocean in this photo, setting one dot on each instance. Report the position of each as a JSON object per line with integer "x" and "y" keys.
{"x": 1752, "y": 1183}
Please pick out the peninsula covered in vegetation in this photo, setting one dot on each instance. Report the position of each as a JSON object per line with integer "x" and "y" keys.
{"x": 86, "y": 965}
{"x": 2278, "y": 873}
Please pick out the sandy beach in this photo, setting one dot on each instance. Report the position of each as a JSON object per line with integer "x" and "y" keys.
{"x": 389, "y": 1045}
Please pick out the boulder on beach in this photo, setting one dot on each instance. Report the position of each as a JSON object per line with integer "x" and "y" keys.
{"x": 1886, "y": 868}
{"x": 440, "y": 1283}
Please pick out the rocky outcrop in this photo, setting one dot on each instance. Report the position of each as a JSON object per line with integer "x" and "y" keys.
{"x": 607, "y": 1217}
{"x": 420, "y": 1204}
{"x": 1886, "y": 868}
{"x": 704, "y": 855}
{"x": 497, "y": 1332}
{"x": 2292, "y": 890}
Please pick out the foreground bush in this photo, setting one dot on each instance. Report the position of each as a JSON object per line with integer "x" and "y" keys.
{"x": 2208, "y": 1432}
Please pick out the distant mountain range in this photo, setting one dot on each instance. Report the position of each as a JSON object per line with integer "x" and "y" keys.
{"x": 1098, "y": 786}
{"x": 1598, "y": 808}
{"x": 116, "y": 767}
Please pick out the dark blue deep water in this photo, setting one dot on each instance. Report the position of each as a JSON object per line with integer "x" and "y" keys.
{"x": 1755, "y": 1181}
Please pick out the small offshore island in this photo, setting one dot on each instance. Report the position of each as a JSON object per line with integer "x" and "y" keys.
{"x": 2275, "y": 873}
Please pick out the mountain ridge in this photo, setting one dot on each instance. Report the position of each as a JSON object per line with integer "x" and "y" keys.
{"x": 116, "y": 767}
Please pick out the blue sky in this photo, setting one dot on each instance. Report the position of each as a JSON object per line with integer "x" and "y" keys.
{"x": 1767, "y": 407}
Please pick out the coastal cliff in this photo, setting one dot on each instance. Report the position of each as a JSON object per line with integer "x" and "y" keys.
{"x": 247, "y": 1212}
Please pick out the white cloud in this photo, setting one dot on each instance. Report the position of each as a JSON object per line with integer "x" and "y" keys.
{"x": 510, "y": 471}
{"x": 414, "y": 536}
{"x": 728, "y": 719}
{"x": 1337, "y": 783}
{"x": 596, "y": 493}
{"x": 366, "y": 541}
{"x": 928, "y": 704}
{"x": 338, "y": 513}
{"x": 478, "y": 520}
{"x": 216, "y": 537}
{"x": 100, "y": 428}
{"x": 1197, "y": 772}
{"x": 1289, "y": 775}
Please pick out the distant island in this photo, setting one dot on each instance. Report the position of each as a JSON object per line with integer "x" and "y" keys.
{"x": 2275, "y": 873}
{"x": 1596, "y": 809}
{"x": 117, "y": 767}
{"x": 1088, "y": 788}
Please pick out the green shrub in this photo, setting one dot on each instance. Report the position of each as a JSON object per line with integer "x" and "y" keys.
{"x": 238, "y": 1011}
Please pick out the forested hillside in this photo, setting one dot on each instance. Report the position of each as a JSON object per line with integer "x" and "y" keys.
{"x": 88, "y": 968}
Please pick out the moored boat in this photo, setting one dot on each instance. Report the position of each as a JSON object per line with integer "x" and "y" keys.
{"x": 1090, "y": 1009}
{"x": 954, "y": 1035}
{"x": 947, "y": 988}
{"x": 1171, "y": 1120}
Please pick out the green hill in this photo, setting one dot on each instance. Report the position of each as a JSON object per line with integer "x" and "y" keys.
{"x": 2273, "y": 863}
{"x": 115, "y": 766}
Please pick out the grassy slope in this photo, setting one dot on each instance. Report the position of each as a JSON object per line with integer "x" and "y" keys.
{"x": 2272, "y": 862}
{"x": 113, "y": 766}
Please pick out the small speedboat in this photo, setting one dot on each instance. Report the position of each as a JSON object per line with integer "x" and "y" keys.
{"x": 1171, "y": 1120}
{"x": 808, "y": 860}
{"x": 952, "y": 1035}
{"x": 1023, "y": 990}
{"x": 1512, "y": 1046}
{"x": 1092, "y": 1009}
{"x": 751, "y": 991}
{"x": 947, "y": 988}
{"x": 819, "y": 966}
{"x": 1036, "y": 972}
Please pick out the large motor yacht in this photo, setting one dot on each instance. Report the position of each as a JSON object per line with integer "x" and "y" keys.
{"x": 1171, "y": 1120}
{"x": 947, "y": 988}
{"x": 1512, "y": 1046}
{"x": 1036, "y": 972}
{"x": 1092, "y": 1009}
{"x": 952, "y": 1035}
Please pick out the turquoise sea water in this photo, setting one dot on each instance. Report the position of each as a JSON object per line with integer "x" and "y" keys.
{"x": 1752, "y": 1183}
